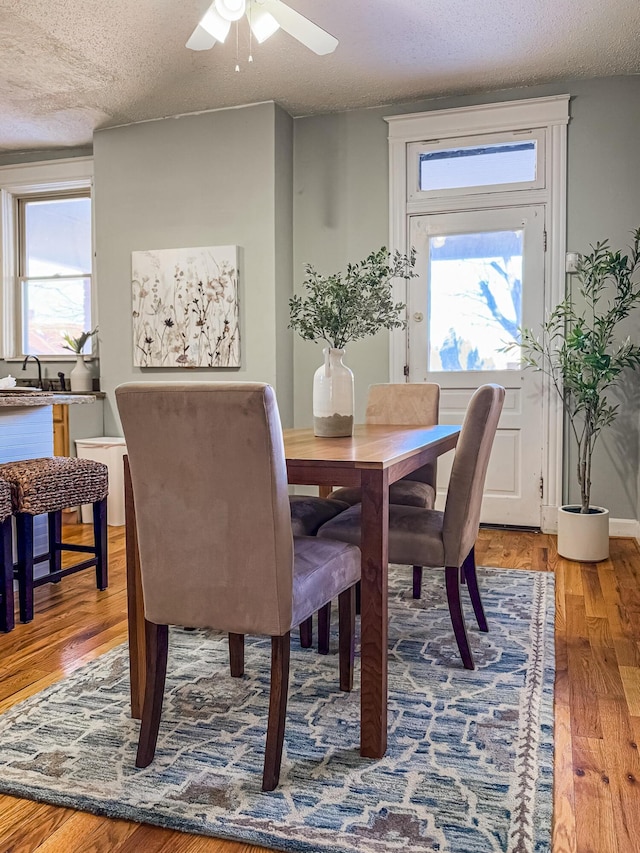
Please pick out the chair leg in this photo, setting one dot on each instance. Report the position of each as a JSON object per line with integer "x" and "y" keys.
{"x": 280, "y": 653}
{"x": 157, "y": 645}
{"x": 417, "y": 581}
{"x": 24, "y": 531}
{"x": 452, "y": 577}
{"x": 324, "y": 629}
{"x": 100, "y": 539}
{"x": 55, "y": 538}
{"x": 358, "y": 598}
{"x": 469, "y": 567}
{"x": 347, "y": 628}
{"x": 306, "y": 633}
{"x": 7, "y": 618}
{"x": 236, "y": 654}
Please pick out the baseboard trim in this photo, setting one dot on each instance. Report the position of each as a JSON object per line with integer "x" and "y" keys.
{"x": 627, "y": 527}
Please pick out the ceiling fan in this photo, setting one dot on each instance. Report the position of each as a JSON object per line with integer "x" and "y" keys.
{"x": 265, "y": 17}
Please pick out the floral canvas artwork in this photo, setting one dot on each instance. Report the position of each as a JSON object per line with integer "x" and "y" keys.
{"x": 185, "y": 307}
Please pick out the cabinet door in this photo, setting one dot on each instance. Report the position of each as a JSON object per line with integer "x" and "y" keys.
{"x": 60, "y": 430}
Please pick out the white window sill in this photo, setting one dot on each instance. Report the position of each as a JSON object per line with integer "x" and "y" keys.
{"x": 55, "y": 359}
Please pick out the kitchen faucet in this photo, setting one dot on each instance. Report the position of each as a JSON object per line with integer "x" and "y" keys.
{"x": 37, "y": 361}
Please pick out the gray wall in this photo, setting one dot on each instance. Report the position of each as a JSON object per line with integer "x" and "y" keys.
{"x": 604, "y": 201}
{"x": 41, "y": 154}
{"x": 283, "y": 240}
{"x": 321, "y": 197}
{"x": 341, "y": 214}
{"x": 201, "y": 180}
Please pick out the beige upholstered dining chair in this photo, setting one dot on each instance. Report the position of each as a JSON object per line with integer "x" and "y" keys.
{"x": 214, "y": 528}
{"x": 309, "y": 513}
{"x": 403, "y": 404}
{"x": 427, "y": 537}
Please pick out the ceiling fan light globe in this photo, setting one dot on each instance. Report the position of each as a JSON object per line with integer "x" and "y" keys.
{"x": 200, "y": 39}
{"x": 230, "y": 10}
{"x": 262, "y": 24}
{"x": 215, "y": 25}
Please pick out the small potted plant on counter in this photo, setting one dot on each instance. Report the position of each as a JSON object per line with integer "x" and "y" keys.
{"x": 80, "y": 376}
{"x": 340, "y": 308}
{"x": 584, "y": 355}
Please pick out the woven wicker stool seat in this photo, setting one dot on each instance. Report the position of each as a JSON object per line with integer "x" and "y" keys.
{"x": 6, "y": 559}
{"x": 55, "y": 483}
{"x": 47, "y": 486}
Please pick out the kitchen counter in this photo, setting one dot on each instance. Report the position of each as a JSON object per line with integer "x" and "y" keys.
{"x": 22, "y": 399}
{"x": 26, "y": 432}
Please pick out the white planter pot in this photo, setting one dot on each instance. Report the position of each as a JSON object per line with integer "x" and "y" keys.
{"x": 333, "y": 396}
{"x": 80, "y": 376}
{"x": 583, "y": 537}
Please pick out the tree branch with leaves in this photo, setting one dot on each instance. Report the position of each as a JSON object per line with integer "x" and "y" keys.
{"x": 340, "y": 308}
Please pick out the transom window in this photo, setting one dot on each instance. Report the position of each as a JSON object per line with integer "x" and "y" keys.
{"x": 501, "y": 162}
{"x": 54, "y": 270}
{"x": 478, "y": 166}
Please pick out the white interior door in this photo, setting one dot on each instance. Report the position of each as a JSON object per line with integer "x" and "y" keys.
{"x": 480, "y": 276}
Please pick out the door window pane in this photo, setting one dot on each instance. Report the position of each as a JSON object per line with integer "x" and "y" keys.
{"x": 57, "y": 237}
{"x": 49, "y": 309}
{"x": 478, "y": 166}
{"x": 475, "y": 300}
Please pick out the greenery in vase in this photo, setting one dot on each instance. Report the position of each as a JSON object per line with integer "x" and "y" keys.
{"x": 581, "y": 350}
{"x": 77, "y": 344}
{"x": 340, "y": 308}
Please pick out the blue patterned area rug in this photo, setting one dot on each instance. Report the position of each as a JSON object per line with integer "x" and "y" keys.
{"x": 469, "y": 767}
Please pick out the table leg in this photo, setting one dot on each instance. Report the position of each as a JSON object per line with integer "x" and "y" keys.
{"x": 374, "y": 616}
{"x": 135, "y": 601}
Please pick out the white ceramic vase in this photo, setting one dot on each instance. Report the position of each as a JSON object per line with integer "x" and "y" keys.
{"x": 80, "y": 376}
{"x": 583, "y": 537}
{"x": 333, "y": 396}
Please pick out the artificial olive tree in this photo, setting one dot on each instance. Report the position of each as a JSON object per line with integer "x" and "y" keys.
{"x": 581, "y": 350}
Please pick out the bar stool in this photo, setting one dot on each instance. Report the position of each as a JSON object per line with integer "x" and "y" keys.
{"x": 6, "y": 559}
{"x": 47, "y": 486}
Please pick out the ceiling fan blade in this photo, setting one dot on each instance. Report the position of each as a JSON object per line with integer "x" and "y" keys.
{"x": 301, "y": 28}
{"x": 263, "y": 25}
{"x": 212, "y": 28}
{"x": 200, "y": 39}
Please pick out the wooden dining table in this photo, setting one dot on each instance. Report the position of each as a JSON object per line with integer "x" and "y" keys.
{"x": 372, "y": 458}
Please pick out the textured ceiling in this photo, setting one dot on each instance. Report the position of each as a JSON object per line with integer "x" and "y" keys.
{"x": 68, "y": 67}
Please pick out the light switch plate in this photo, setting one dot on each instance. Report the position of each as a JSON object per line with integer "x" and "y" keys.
{"x": 571, "y": 261}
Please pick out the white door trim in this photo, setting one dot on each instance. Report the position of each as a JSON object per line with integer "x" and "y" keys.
{"x": 550, "y": 114}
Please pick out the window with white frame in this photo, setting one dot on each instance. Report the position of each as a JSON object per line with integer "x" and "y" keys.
{"x": 54, "y": 271}
{"x": 47, "y": 256}
{"x": 476, "y": 164}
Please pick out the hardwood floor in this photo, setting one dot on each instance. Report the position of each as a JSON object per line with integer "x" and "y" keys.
{"x": 597, "y": 699}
